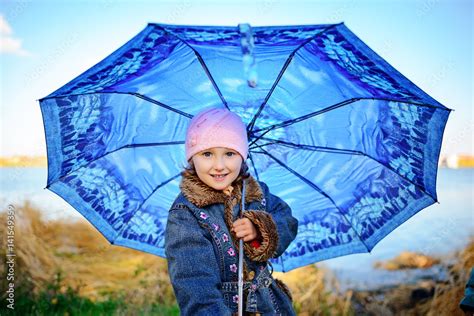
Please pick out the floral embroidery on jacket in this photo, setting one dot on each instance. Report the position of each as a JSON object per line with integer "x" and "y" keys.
{"x": 225, "y": 238}
{"x": 233, "y": 267}
{"x": 231, "y": 252}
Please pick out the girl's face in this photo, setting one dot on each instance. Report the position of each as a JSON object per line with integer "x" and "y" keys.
{"x": 217, "y": 161}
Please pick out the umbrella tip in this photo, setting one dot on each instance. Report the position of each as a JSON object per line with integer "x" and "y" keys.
{"x": 252, "y": 83}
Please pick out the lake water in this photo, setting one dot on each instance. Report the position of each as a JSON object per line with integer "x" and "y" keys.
{"x": 437, "y": 230}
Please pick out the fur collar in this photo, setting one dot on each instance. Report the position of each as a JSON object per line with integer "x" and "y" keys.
{"x": 200, "y": 194}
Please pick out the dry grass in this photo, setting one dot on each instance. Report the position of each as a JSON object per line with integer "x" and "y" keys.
{"x": 310, "y": 295}
{"x": 448, "y": 296}
{"x": 86, "y": 259}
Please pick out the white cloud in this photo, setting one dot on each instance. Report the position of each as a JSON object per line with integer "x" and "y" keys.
{"x": 317, "y": 77}
{"x": 5, "y": 29}
{"x": 294, "y": 80}
{"x": 232, "y": 84}
{"x": 8, "y": 43}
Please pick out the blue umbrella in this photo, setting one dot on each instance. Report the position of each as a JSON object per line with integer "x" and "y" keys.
{"x": 334, "y": 130}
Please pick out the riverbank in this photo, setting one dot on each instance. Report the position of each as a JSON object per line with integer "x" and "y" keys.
{"x": 428, "y": 296}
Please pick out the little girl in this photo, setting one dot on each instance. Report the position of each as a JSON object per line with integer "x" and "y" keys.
{"x": 204, "y": 225}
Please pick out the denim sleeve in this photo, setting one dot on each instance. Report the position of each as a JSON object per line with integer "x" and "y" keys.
{"x": 287, "y": 225}
{"x": 193, "y": 271}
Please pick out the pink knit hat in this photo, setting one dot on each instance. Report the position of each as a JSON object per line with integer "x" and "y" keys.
{"x": 216, "y": 127}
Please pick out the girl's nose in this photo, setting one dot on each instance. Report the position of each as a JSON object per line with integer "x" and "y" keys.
{"x": 219, "y": 163}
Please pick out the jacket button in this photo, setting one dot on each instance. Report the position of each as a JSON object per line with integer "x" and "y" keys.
{"x": 251, "y": 275}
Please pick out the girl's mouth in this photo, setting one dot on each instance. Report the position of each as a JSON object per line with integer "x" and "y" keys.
{"x": 219, "y": 177}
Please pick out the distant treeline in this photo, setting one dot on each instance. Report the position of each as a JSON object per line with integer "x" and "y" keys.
{"x": 23, "y": 161}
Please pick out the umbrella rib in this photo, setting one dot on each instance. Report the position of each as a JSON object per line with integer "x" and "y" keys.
{"x": 280, "y": 74}
{"x": 110, "y": 152}
{"x": 201, "y": 61}
{"x": 141, "y": 96}
{"x": 332, "y": 107}
{"x": 314, "y": 186}
{"x": 309, "y": 147}
{"x": 124, "y": 225}
{"x": 301, "y": 118}
{"x": 253, "y": 165}
{"x": 144, "y": 97}
{"x": 342, "y": 151}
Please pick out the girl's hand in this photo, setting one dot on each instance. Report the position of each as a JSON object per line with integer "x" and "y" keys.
{"x": 245, "y": 229}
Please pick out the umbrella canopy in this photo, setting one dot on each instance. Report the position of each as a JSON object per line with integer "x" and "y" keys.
{"x": 334, "y": 130}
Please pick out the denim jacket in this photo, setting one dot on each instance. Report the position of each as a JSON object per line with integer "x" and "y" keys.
{"x": 202, "y": 252}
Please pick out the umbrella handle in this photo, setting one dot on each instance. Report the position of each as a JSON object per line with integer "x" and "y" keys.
{"x": 241, "y": 281}
{"x": 241, "y": 257}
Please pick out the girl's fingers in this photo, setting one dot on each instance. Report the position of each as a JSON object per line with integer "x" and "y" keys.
{"x": 242, "y": 232}
{"x": 241, "y": 222}
{"x": 243, "y": 228}
{"x": 246, "y": 235}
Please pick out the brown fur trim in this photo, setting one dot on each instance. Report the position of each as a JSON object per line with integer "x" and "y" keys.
{"x": 264, "y": 223}
{"x": 284, "y": 288}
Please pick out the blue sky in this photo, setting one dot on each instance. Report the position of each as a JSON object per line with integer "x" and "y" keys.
{"x": 45, "y": 44}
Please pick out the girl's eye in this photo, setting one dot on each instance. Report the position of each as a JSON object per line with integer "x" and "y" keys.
{"x": 208, "y": 154}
